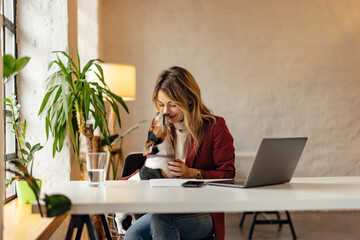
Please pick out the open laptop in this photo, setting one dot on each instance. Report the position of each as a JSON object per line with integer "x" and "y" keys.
{"x": 275, "y": 163}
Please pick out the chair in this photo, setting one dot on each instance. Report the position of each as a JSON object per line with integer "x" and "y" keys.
{"x": 268, "y": 221}
{"x": 132, "y": 163}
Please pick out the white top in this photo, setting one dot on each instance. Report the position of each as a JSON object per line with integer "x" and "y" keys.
{"x": 181, "y": 140}
{"x": 318, "y": 193}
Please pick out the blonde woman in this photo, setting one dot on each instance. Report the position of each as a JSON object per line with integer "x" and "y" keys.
{"x": 203, "y": 149}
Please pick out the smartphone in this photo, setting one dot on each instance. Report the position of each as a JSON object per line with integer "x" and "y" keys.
{"x": 193, "y": 184}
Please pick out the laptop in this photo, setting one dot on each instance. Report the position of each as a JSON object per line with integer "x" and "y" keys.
{"x": 275, "y": 163}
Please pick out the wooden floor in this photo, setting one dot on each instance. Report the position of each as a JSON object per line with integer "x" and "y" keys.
{"x": 332, "y": 225}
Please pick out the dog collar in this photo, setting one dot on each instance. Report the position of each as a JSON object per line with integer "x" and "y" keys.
{"x": 161, "y": 156}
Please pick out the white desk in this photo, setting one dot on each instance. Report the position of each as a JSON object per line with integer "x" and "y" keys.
{"x": 322, "y": 193}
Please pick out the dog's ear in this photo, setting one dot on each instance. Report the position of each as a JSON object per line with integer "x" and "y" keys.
{"x": 149, "y": 145}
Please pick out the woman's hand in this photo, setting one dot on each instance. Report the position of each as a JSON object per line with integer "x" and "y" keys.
{"x": 179, "y": 169}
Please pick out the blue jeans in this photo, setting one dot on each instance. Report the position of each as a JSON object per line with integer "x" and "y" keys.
{"x": 171, "y": 227}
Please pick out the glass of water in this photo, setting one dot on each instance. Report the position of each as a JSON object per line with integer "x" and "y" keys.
{"x": 96, "y": 168}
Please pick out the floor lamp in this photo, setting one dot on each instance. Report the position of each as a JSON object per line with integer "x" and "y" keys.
{"x": 121, "y": 80}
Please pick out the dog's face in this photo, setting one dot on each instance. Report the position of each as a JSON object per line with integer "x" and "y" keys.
{"x": 157, "y": 133}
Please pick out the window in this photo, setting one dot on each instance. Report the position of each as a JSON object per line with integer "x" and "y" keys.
{"x": 8, "y": 42}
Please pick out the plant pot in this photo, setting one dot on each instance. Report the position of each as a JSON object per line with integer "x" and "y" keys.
{"x": 24, "y": 193}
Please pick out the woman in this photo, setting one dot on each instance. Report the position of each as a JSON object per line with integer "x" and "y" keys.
{"x": 203, "y": 149}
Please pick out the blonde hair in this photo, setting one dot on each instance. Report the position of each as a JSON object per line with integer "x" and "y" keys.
{"x": 180, "y": 86}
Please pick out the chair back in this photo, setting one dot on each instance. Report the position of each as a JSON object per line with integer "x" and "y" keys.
{"x": 133, "y": 162}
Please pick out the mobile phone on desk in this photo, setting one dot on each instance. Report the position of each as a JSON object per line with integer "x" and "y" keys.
{"x": 193, "y": 184}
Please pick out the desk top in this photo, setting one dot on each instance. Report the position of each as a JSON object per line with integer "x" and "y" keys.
{"x": 317, "y": 193}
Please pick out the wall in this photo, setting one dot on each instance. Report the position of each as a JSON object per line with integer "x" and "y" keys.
{"x": 88, "y": 30}
{"x": 270, "y": 68}
{"x": 42, "y": 28}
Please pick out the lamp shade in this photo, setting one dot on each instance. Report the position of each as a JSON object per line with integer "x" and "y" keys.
{"x": 121, "y": 79}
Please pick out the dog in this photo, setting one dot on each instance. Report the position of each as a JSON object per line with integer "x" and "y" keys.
{"x": 159, "y": 150}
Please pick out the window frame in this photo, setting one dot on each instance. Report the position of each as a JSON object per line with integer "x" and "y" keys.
{"x": 10, "y": 26}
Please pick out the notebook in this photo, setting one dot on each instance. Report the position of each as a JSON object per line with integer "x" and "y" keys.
{"x": 275, "y": 163}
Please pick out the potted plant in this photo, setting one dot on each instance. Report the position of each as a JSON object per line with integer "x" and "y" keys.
{"x": 25, "y": 151}
{"x": 76, "y": 105}
{"x": 55, "y": 205}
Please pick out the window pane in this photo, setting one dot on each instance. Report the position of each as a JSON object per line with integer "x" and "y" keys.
{"x": 9, "y": 88}
{"x": 10, "y": 140}
{"x": 8, "y": 9}
{"x": 9, "y": 42}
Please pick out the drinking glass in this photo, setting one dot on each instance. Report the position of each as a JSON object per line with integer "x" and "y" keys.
{"x": 96, "y": 168}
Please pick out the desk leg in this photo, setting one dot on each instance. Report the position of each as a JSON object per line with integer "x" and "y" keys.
{"x": 106, "y": 227}
{"x": 71, "y": 227}
{"x": 78, "y": 221}
{"x": 291, "y": 225}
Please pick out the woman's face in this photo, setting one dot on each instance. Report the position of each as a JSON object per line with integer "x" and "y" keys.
{"x": 167, "y": 106}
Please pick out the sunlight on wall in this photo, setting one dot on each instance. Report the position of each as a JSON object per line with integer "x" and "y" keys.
{"x": 270, "y": 68}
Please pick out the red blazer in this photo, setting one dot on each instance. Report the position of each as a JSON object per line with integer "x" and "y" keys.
{"x": 215, "y": 158}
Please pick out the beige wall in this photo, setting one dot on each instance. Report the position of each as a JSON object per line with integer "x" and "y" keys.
{"x": 270, "y": 68}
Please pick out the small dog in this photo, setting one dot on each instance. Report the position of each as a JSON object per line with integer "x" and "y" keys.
{"x": 159, "y": 150}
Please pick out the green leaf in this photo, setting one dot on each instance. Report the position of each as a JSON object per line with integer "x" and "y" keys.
{"x": 8, "y": 100}
{"x": 45, "y": 100}
{"x": 115, "y": 108}
{"x": 64, "y": 70}
{"x": 36, "y": 147}
{"x": 101, "y": 71}
{"x": 55, "y": 145}
{"x": 64, "y": 99}
{"x": 87, "y": 93}
{"x": 98, "y": 102}
{"x": 21, "y": 160}
{"x": 47, "y": 127}
{"x": 21, "y": 63}
{"x": 9, "y": 182}
{"x": 30, "y": 158}
{"x": 62, "y": 135}
{"x": 28, "y": 145}
{"x": 50, "y": 65}
{"x": 56, "y": 205}
{"x": 86, "y": 68}
{"x": 118, "y": 99}
{"x": 11, "y": 66}
{"x": 8, "y": 65}
{"x": 23, "y": 151}
{"x": 72, "y": 134}
{"x": 71, "y": 63}
{"x": 78, "y": 58}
